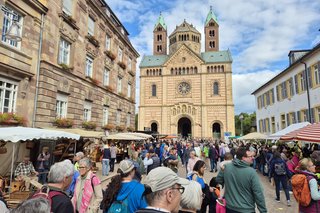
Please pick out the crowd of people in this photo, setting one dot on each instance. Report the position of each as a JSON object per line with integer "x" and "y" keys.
{"x": 148, "y": 180}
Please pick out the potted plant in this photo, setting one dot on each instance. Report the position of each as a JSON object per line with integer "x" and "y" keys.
{"x": 94, "y": 80}
{"x": 120, "y": 128}
{"x": 130, "y": 129}
{"x": 93, "y": 40}
{"x": 110, "y": 54}
{"x": 11, "y": 119}
{"x": 108, "y": 127}
{"x": 109, "y": 88}
{"x": 89, "y": 125}
{"x": 63, "y": 122}
{"x": 122, "y": 65}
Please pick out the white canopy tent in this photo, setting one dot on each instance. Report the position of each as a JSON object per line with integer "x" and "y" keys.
{"x": 291, "y": 128}
{"x": 253, "y": 136}
{"x": 19, "y": 134}
{"x": 124, "y": 136}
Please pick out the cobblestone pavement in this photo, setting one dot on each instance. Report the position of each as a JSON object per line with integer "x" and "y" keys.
{"x": 269, "y": 191}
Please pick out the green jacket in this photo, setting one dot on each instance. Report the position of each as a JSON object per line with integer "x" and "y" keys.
{"x": 242, "y": 187}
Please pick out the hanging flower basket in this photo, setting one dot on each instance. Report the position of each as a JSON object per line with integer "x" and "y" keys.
{"x": 108, "y": 127}
{"x": 110, "y": 54}
{"x": 120, "y": 128}
{"x": 122, "y": 65}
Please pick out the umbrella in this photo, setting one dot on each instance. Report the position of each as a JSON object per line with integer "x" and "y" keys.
{"x": 253, "y": 136}
{"x": 310, "y": 133}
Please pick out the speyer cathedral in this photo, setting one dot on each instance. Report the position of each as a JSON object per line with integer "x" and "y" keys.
{"x": 185, "y": 91}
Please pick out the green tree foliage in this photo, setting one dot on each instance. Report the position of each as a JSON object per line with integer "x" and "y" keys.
{"x": 249, "y": 123}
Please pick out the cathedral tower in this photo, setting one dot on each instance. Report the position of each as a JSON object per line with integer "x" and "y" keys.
{"x": 211, "y": 31}
{"x": 160, "y": 37}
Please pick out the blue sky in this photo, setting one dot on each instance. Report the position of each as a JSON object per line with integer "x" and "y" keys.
{"x": 259, "y": 33}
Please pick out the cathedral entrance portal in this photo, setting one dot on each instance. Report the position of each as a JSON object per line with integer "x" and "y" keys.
{"x": 184, "y": 127}
{"x": 216, "y": 131}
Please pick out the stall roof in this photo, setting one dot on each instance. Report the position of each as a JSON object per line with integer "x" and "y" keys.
{"x": 253, "y": 136}
{"x": 16, "y": 134}
{"x": 124, "y": 136}
{"x": 83, "y": 133}
{"x": 292, "y": 127}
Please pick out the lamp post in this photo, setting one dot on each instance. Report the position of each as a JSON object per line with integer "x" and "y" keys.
{"x": 307, "y": 88}
{"x": 241, "y": 120}
{"x": 13, "y": 33}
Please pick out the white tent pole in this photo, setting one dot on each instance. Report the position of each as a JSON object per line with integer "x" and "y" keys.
{"x": 11, "y": 173}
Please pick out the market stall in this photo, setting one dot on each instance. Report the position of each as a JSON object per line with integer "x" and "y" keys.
{"x": 309, "y": 133}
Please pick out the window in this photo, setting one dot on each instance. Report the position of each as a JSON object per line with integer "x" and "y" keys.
{"x": 211, "y": 33}
{"x": 118, "y": 117}
{"x": 67, "y": 7}
{"x": 316, "y": 74}
{"x": 8, "y": 96}
{"x": 106, "y": 77}
{"x": 302, "y": 82}
{"x": 304, "y": 115}
{"x": 215, "y": 88}
{"x": 129, "y": 64}
{"x": 283, "y": 121}
{"x": 291, "y": 87}
{"x": 273, "y": 125}
{"x": 128, "y": 119}
{"x": 284, "y": 93}
{"x": 64, "y": 52}
{"x": 154, "y": 90}
{"x": 129, "y": 90}
{"x": 119, "y": 84}
{"x": 159, "y": 37}
{"x": 61, "y": 105}
{"x": 272, "y": 95}
{"x": 211, "y": 44}
{"x": 8, "y": 18}
{"x": 159, "y": 48}
{"x": 108, "y": 42}
{"x": 120, "y": 54}
{"x": 90, "y": 26}
{"x": 89, "y": 66}
{"x": 105, "y": 115}
{"x": 87, "y": 111}
{"x": 317, "y": 109}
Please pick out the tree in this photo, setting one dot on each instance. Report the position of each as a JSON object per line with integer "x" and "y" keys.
{"x": 248, "y": 123}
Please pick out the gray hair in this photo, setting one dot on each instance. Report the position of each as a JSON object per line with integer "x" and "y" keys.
{"x": 192, "y": 197}
{"x": 34, "y": 205}
{"x": 59, "y": 171}
{"x": 86, "y": 161}
{"x": 80, "y": 154}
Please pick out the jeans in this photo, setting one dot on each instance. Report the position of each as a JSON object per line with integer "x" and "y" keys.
{"x": 42, "y": 177}
{"x": 105, "y": 167}
{"x": 112, "y": 164}
{"x": 284, "y": 182}
{"x": 212, "y": 164}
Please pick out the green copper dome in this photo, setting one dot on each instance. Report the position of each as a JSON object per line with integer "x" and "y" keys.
{"x": 210, "y": 16}
{"x": 161, "y": 22}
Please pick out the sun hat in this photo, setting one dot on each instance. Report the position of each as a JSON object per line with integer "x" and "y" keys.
{"x": 126, "y": 166}
{"x": 162, "y": 178}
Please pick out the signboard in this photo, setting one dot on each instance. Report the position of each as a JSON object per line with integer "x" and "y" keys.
{"x": 147, "y": 129}
{"x": 226, "y": 136}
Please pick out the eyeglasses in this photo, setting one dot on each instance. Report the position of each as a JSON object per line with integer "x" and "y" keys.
{"x": 82, "y": 167}
{"x": 181, "y": 189}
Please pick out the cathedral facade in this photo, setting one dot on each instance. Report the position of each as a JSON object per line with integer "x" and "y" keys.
{"x": 185, "y": 91}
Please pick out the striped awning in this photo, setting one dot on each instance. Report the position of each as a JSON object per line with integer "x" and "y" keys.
{"x": 309, "y": 133}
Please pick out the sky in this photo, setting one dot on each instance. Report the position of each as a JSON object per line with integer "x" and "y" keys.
{"x": 259, "y": 34}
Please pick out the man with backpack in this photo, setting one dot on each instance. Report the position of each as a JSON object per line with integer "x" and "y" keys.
{"x": 59, "y": 179}
{"x": 279, "y": 171}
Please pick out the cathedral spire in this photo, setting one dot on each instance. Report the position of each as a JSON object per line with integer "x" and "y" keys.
{"x": 210, "y": 16}
{"x": 161, "y": 22}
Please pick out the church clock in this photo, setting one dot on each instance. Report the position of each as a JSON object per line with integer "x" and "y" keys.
{"x": 184, "y": 88}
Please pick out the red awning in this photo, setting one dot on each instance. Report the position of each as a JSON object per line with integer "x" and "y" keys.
{"x": 309, "y": 133}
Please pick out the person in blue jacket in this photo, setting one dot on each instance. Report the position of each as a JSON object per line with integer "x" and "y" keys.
{"x": 123, "y": 191}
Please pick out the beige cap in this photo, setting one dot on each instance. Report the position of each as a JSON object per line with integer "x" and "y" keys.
{"x": 126, "y": 166}
{"x": 162, "y": 178}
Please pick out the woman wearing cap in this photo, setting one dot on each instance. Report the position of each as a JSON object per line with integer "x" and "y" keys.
{"x": 123, "y": 189}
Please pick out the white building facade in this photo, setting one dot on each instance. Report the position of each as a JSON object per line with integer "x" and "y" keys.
{"x": 292, "y": 96}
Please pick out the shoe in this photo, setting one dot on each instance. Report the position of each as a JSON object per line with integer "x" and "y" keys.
{"x": 278, "y": 200}
{"x": 288, "y": 203}
{"x": 290, "y": 192}
{"x": 211, "y": 170}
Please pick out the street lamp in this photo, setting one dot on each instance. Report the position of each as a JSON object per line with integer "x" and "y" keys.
{"x": 241, "y": 120}
{"x": 14, "y": 33}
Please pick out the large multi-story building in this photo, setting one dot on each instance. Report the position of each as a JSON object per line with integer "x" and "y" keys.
{"x": 293, "y": 95}
{"x": 75, "y": 62}
{"x": 186, "y": 91}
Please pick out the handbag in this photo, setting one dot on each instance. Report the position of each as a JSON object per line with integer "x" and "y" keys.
{"x": 221, "y": 206}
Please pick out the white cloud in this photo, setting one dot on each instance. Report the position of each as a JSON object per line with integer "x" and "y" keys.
{"x": 259, "y": 33}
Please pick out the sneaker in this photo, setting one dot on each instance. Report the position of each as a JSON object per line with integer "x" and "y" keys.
{"x": 288, "y": 203}
{"x": 290, "y": 192}
{"x": 278, "y": 200}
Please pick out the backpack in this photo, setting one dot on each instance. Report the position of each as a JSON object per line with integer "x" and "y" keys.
{"x": 119, "y": 206}
{"x": 280, "y": 169}
{"x": 45, "y": 193}
{"x": 300, "y": 188}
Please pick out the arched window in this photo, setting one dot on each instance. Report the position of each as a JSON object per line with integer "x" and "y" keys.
{"x": 154, "y": 90}
{"x": 147, "y": 72}
{"x": 222, "y": 68}
{"x": 195, "y": 70}
{"x": 208, "y": 69}
{"x": 160, "y": 71}
{"x": 171, "y": 71}
{"x": 216, "y": 88}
